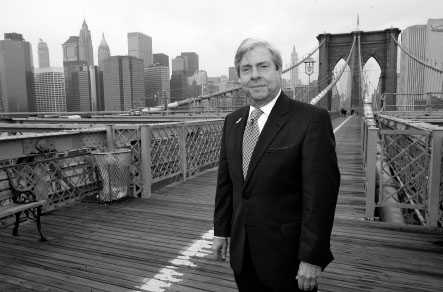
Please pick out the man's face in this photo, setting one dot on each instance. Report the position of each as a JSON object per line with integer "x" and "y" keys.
{"x": 259, "y": 77}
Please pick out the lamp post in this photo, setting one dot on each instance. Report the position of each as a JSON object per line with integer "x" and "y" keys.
{"x": 309, "y": 69}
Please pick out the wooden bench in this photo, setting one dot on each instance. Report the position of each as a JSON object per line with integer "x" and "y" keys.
{"x": 32, "y": 210}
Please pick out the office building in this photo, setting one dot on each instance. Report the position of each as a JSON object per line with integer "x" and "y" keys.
{"x": 123, "y": 79}
{"x": 233, "y": 74}
{"x": 179, "y": 86}
{"x": 140, "y": 46}
{"x": 49, "y": 90}
{"x": 157, "y": 85}
{"x": 191, "y": 63}
{"x": 85, "y": 51}
{"x": 178, "y": 64}
{"x": 16, "y": 74}
{"x": 43, "y": 55}
{"x": 70, "y": 49}
{"x": 424, "y": 42}
{"x": 161, "y": 59}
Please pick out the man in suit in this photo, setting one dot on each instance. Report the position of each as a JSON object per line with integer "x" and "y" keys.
{"x": 275, "y": 200}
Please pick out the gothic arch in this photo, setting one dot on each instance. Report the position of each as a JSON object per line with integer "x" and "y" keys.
{"x": 376, "y": 44}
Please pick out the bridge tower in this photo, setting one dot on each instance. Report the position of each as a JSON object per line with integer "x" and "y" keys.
{"x": 376, "y": 44}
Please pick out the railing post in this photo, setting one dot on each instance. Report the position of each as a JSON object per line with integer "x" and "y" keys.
{"x": 371, "y": 158}
{"x": 183, "y": 151}
{"x": 110, "y": 137}
{"x": 432, "y": 215}
{"x": 146, "y": 161}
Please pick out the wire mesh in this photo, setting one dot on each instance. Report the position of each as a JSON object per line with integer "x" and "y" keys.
{"x": 113, "y": 173}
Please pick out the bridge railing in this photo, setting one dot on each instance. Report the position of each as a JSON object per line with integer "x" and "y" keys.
{"x": 58, "y": 166}
{"x": 411, "y": 102}
{"x": 411, "y": 157}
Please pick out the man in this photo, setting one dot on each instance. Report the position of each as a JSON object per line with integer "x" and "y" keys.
{"x": 278, "y": 209}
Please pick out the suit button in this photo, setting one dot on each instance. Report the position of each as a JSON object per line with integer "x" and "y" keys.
{"x": 245, "y": 197}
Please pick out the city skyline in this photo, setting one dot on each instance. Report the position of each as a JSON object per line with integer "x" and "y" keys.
{"x": 212, "y": 31}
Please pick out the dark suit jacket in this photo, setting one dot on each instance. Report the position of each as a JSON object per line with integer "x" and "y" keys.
{"x": 287, "y": 203}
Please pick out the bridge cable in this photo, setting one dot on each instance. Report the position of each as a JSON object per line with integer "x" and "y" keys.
{"x": 322, "y": 94}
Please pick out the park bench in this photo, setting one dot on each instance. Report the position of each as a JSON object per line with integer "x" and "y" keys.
{"x": 32, "y": 210}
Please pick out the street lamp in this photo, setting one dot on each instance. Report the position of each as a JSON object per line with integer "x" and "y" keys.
{"x": 309, "y": 69}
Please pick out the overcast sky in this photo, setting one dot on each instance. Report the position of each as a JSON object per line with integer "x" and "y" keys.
{"x": 212, "y": 29}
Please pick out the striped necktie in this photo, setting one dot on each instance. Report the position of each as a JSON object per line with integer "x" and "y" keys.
{"x": 250, "y": 138}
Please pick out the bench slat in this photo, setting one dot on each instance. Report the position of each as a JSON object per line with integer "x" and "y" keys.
{"x": 14, "y": 208}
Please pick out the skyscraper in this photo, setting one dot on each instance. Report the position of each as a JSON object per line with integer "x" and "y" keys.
{"x": 70, "y": 49}
{"x": 157, "y": 85}
{"x": 123, "y": 83}
{"x": 49, "y": 88}
{"x": 161, "y": 59}
{"x": 178, "y": 64}
{"x": 103, "y": 52}
{"x": 294, "y": 72}
{"x": 423, "y": 42}
{"x": 43, "y": 55}
{"x": 191, "y": 63}
{"x": 233, "y": 74}
{"x": 85, "y": 51}
{"x": 140, "y": 46}
{"x": 16, "y": 74}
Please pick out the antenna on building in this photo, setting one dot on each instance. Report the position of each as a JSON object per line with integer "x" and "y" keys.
{"x": 358, "y": 22}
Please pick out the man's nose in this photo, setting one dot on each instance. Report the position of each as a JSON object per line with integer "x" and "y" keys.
{"x": 255, "y": 74}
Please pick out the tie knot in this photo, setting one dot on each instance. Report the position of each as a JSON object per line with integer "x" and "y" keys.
{"x": 256, "y": 114}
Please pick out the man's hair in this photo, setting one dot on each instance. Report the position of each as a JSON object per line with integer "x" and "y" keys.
{"x": 252, "y": 43}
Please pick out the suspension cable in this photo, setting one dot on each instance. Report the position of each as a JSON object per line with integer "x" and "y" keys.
{"x": 415, "y": 58}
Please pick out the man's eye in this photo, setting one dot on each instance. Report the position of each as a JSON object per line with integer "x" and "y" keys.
{"x": 264, "y": 66}
{"x": 245, "y": 70}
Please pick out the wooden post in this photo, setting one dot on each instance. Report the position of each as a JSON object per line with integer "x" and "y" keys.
{"x": 145, "y": 165}
{"x": 110, "y": 144}
{"x": 432, "y": 215}
{"x": 371, "y": 158}
{"x": 183, "y": 151}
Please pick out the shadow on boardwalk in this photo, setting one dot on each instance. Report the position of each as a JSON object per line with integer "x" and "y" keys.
{"x": 163, "y": 243}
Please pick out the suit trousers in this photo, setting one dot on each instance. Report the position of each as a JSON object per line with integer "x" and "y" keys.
{"x": 248, "y": 280}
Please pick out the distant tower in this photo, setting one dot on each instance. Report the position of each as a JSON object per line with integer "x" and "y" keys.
{"x": 70, "y": 49}
{"x": 43, "y": 55}
{"x": 85, "y": 52}
{"x": 294, "y": 72}
{"x": 161, "y": 59}
{"x": 124, "y": 87}
{"x": 178, "y": 64}
{"x": 49, "y": 88}
{"x": 157, "y": 85}
{"x": 103, "y": 52}
{"x": 191, "y": 63}
{"x": 140, "y": 46}
{"x": 16, "y": 76}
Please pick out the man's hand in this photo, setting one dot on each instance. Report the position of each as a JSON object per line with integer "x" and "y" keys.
{"x": 219, "y": 247}
{"x": 308, "y": 276}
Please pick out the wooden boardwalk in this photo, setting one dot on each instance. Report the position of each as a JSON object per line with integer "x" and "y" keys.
{"x": 164, "y": 243}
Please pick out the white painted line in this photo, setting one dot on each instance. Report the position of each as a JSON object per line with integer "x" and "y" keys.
{"x": 339, "y": 126}
{"x": 170, "y": 274}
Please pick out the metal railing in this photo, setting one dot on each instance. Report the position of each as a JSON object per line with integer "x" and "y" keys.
{"x": 411, "y": 156}
{"x": 59, "y": 167}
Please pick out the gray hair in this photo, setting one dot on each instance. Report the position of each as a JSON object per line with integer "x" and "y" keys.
{"x": 252, "y": 43}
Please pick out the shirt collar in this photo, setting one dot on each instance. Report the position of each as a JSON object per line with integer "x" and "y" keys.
{"x": 268, "y": 107}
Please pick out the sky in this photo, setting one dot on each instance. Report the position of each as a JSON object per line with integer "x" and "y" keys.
{"x": 212, "y": 29}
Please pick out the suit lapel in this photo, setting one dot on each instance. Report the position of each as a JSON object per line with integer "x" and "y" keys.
{"x": 275, "y": 122}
